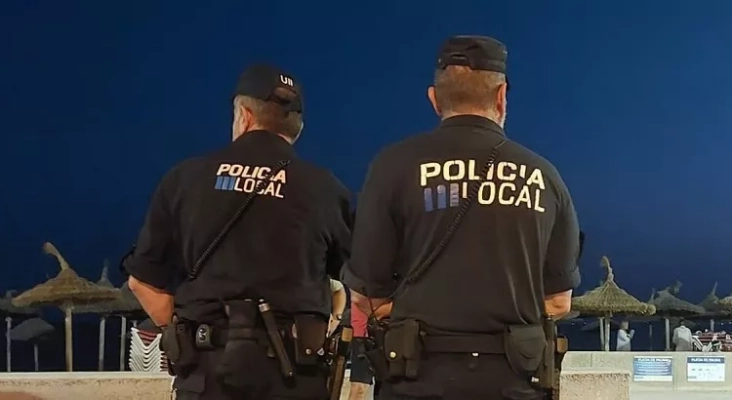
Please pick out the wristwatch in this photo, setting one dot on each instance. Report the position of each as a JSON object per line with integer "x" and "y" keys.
{"x": 339, "y": 317}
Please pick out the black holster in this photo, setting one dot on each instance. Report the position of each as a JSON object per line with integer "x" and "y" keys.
{"x": 404, "y": 349}
{"x": 240, "y": 367}
{"x": 548, "y": 375}
{"x": 373, "y": 348}
{"x": 177, "y": 342}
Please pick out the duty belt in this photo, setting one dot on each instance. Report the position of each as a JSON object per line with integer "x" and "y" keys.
{"x": 484, "y": 344}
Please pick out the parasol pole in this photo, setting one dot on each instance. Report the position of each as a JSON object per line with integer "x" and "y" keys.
{"x": 122, "y": 342}
{"x": 605, "y": 263}
{"x": 102, "y": 334}
{"x": 8, "y": 345}
{"x": 134, "y": 324}
{"x": 650, "y": 336}
{"x": 711, "y": 325}
{"x": 68, "y": 328}
{"x": 35, "y": 355}
{"x": 607, "y": 332}
{"x": 602, "y": 332}
{"x": 668, "y": 335}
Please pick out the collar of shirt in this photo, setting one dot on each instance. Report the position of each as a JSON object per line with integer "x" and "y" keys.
{"x": 262, "y": 138}
{"x": 467, "y": 121}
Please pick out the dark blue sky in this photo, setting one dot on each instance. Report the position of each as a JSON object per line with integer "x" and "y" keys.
{"x": 630, "y": 100}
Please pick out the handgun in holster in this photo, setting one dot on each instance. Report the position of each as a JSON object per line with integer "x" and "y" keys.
{"x": 549, "y": 373}
{"x": 177, "y": 342}
{"x": 339, "y": 353}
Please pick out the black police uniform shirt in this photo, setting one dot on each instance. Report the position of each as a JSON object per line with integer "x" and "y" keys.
{"x": 518, "y": 241}
{"x": 293, "y": 233}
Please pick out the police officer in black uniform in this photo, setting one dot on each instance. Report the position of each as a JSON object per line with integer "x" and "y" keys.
{"x": 481, "y": 233}
{"x": 214, "y": 293}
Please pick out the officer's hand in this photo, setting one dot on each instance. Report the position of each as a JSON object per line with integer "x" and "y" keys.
{"x": 333, "y": 325}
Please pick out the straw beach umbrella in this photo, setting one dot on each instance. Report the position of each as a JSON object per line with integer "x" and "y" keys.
{"x": 123, "y": 306}
{"x": 32, "y": 330}
{"x": 10, "y": 312}
{"x": 668, "y": 305}
{"x": 64, "y": 291}
{"x": 712, "y": 307}
{"x": 607, "y": 300}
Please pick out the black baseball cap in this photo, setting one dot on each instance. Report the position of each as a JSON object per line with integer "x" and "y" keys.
{"x": 267, "y": 83}
{"x": 477, "y": 52}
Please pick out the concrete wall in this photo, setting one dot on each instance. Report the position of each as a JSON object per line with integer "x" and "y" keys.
{"x": 677, "y": 379}
{"x": 576, "y": 385}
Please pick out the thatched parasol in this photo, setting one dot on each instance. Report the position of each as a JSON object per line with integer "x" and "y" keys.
{"x": 32, "y": 330}
{"x": 64, "y": 291}
{"x": 127, "y": 304}
{"x": 668, "y": 305}
{"x": 607, "y": 300}
{"x": 11, "y": 311}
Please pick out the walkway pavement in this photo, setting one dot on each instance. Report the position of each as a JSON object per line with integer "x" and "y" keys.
{"x": 672, "y": 395}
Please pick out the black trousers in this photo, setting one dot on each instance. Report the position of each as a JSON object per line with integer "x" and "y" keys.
{"x": 462, "y": 377}
{"x": 201, "y": 384}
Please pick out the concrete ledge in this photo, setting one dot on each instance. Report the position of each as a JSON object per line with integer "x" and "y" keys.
{"x": 677, "y": 379}
{"x": 87, "y": 385}
{"x": 584, "y": 384}
{"x": 576, "y": 385}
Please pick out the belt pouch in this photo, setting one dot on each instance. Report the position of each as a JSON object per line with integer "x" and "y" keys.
{"x": 311, "y": 332}
{"x": 403, "y": 347}
{"x": 524, "y": 347}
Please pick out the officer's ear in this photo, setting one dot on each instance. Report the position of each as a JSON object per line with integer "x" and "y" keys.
{"x": 431, "y": 94}
{"x": 299, "y": 132}
{"x": 501, "y": 98}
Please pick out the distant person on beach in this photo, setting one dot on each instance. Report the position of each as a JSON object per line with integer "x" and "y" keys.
{"x": 625, "y": 336}
{"x": 682, "y": 338}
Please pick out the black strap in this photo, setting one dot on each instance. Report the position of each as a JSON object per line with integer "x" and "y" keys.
{"x": 234, "y": 219}
{"x": 483, "y": 344}
{"x": 421, "y": 268}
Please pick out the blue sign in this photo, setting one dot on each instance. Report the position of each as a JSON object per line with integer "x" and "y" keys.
{"x": 705, "y": 369}
{"x": 653, "y": 369}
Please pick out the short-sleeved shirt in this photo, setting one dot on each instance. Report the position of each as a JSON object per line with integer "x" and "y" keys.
{"x": 517, "y": 243}
{"x": 295, "y": 234}
{"x": 359, "y": 322}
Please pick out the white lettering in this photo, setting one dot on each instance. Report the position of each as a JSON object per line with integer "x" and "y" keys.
{"x": 249, "y": 178}
{"x": 537, "y": 178}
{"x": 504, "y": 184}
{"x": 223, "y": 168}
{"x": 489, "y": 198}
{"x": 454, "y": 174}
{"x": 506, "y": 171}
{"x": 427, "y": 171}
{"x": 236, "y": 170}
{"x": 286, "y": 80}
{"x": 502, "y": 199}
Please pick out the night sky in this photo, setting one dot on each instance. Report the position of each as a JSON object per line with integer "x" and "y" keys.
{"x": 629, "y": 99}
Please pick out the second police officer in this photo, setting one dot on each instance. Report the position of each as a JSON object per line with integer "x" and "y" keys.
{"x": 234, "y": 256}
{"x": 481, "y": 234}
